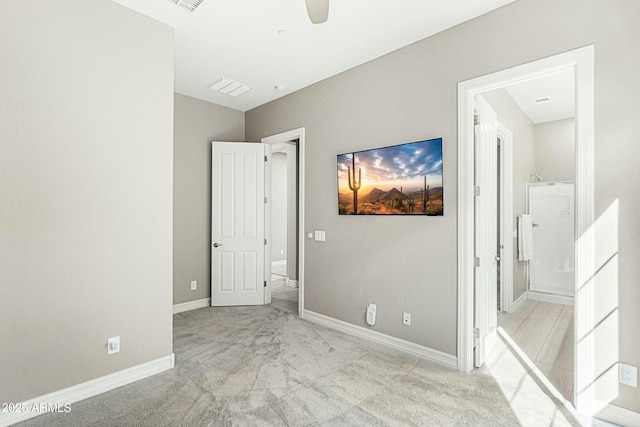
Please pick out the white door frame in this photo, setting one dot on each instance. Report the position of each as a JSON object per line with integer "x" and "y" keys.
{"x": 582, "y": 62}
{"x": 506, "y": 217}
{"x": 296, "y": 134}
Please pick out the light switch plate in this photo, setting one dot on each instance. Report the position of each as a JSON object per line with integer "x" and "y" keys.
{"x": 320, "y": 236}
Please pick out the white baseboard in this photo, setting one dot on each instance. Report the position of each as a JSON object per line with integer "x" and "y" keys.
{"x": 276, "y": 263}
{"x": 552, "y": 298}
{"x": 380, "y": 338}
{"x": 292, "y": 283}
{"x": 619, "y": 416}
{"x": 34, "y": 407}
{"x": 191, "y": 305}
{"x": 522, "y": 298}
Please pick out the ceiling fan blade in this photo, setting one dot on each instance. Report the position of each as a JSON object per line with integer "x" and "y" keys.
{"x": 318, "y": 10}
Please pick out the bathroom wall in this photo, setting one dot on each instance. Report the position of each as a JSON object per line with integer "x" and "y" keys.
{"x": 556, "y": 150}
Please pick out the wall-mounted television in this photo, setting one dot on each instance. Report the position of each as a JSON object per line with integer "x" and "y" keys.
{"x": 403, "y": 179}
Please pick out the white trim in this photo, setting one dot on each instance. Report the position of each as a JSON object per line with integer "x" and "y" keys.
{"x": 517, "y": 303}
{"x": 268, "y": 155}
{"x": 584, "y": 218}
{"x": 619, "y": 416}
{"x": 191, "y": 305}
{"x": 582, "y": 62}
{"x": 380, "y": 338}
{"x": 89, "y": 389}
{"x": 552, "y": 298}
{"x": 466, "y": 237}
{"x": 277, "y": 263}
{"x": 292, "y": 283}
{"x": 506, "y": 217}
{"x": 297, "y": 134}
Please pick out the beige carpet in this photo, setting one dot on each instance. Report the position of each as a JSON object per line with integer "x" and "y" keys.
{"x": 260, "y": 366}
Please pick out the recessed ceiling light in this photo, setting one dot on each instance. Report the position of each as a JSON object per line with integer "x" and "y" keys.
{"x": 280, "y": 88}
{"x": 282, "y": 33}
{"x": 542, "y": 100}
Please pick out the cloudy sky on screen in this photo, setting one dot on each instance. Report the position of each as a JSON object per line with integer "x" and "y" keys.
{"x": 401, "y": 165}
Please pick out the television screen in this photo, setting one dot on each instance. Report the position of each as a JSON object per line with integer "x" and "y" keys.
{"x": 402, "y": 179}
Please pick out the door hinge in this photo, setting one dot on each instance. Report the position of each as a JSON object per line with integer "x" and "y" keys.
{"x": 265, "y": 283}
{"x": 266, "y": 159}
{"x": 476, "y": 190}
{"x": 265, "y": 200}
{"x": 476, "y": 119}
{"x": 265, "y": 242}
{"x": 476, "y": 333}
{"x": 476, "y": 262}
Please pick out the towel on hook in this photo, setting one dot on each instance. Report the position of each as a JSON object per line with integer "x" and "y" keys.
{"x": 525, "y": 237}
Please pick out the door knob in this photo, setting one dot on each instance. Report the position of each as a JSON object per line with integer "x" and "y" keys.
{"x": 215, "y": 245}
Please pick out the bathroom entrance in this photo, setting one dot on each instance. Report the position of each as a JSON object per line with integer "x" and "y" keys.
{"x": 527, "y": 155}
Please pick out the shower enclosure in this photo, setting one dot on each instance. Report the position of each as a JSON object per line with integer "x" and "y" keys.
{"x": 551, "y": 206}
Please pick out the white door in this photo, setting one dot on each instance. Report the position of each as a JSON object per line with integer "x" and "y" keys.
{"x": 486, "y": 211}
{"x": 237, "y": 224}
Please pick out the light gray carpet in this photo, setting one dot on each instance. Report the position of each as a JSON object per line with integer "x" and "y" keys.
{"x": 260, "y": 366}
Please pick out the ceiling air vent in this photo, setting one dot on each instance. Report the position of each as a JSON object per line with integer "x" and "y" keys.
{"x": 228, "y": 87}
{"x": 189, "y": 5}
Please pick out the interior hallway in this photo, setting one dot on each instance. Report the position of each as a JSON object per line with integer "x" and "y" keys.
{"x": 250, "y": 366}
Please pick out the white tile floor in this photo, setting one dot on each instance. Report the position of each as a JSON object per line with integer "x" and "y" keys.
{"x": 544, "y": 331}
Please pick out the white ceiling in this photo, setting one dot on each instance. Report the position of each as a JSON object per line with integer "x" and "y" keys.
{"x": 238, "y": 39}
{"x": 558, "y": 88}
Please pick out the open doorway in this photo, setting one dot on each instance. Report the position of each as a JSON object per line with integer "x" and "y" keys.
{"x": 538, "y": 315}
{"x": 285, "y": 221}
{"x": 470, "y": 336}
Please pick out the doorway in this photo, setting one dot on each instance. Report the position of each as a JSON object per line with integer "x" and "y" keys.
{"x": 543, "y": 132}
{"x": 285, "y": 265}
{"x": 581, "y": 62}
{"x": 284, "y": 222}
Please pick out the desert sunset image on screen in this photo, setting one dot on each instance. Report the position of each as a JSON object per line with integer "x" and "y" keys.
{"x": 402, "y": 179}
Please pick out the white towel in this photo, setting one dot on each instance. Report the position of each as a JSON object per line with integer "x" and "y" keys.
{"x": 525, "y": 237}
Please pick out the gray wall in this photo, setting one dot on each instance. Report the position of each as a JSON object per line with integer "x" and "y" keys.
{"x": 512, "y": 116}
{"x": 409, "y": 264}
{"x": 279, "y": 206}
{"x": 86, "y": 107}
{"x": 197, "y": 123}
{"x": 556, "y": 150}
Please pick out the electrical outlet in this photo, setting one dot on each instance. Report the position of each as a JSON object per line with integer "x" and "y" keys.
{"x": 194, "y": 285}
{"x": 281, "y": 251}
{"x": 628, "y": 375}
{"x": 113, "y": 345}
{"x": 406, "y": 319}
